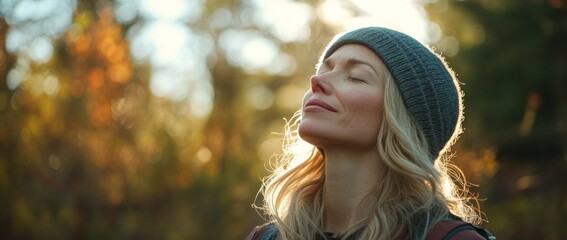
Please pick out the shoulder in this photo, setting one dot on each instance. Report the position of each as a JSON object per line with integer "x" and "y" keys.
{"x": 262, "y": 232}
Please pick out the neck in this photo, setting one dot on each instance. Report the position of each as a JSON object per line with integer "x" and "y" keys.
{"x": 349, "y": 178}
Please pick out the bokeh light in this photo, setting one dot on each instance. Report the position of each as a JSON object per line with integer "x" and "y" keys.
{"x": 157, "y": 119}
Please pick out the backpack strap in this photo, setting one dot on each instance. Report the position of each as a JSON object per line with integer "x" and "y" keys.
{"x": 446, "y": 230}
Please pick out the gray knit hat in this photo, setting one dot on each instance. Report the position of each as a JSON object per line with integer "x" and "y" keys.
{"x": 428, "y": 87}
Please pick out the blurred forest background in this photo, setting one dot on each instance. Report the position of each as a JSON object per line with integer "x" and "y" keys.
{"x": 156, "y": 119}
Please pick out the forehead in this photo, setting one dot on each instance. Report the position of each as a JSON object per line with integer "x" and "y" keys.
{"x": 355, "y": 51}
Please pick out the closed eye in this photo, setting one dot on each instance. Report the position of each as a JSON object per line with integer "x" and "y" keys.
{"x": 356, "y": 79}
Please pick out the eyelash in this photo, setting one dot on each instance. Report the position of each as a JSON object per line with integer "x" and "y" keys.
{"x": 357, "y": 79}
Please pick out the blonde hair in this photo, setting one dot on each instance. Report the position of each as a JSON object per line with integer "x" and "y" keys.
{"x": 415, "y": 193}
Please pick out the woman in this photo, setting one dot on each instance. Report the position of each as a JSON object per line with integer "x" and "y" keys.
{"x": 381, "y": 112}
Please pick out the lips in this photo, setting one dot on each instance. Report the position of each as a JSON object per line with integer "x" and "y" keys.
{"x": 316, "y": 105}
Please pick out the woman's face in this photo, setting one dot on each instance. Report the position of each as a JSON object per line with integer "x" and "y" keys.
{"x": 344, "y": 106}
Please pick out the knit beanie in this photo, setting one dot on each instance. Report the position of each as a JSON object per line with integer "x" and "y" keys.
{"x": 427, "y": 85}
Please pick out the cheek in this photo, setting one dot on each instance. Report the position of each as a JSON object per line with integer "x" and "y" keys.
{"x": 364, "y": 101}
{"x": 366, "y": 108}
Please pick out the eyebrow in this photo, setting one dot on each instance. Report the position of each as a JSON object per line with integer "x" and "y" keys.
{"x": 352, "y": 61}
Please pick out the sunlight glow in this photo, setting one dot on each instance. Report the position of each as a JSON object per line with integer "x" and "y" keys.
{"x": 406, "y": 16}
{"x": 175, "y": 52}
{"x": 248, "y": 49}
{"x": 168, "y": 83}
{"x": 34, "y": 24}
{"x": 178, "y": 55}
{"x": 258, "y": 52}
{"x": 287, "y": 20}
{"x": 40, "y": 49}
{"x": 172, "y": 10}
{"x": 161, "y": 42}
{"x": 125, "y": 11}
{"x": 332, "y": 13}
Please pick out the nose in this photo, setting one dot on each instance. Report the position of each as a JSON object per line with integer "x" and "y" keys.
{"x": 319, "y": 83}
